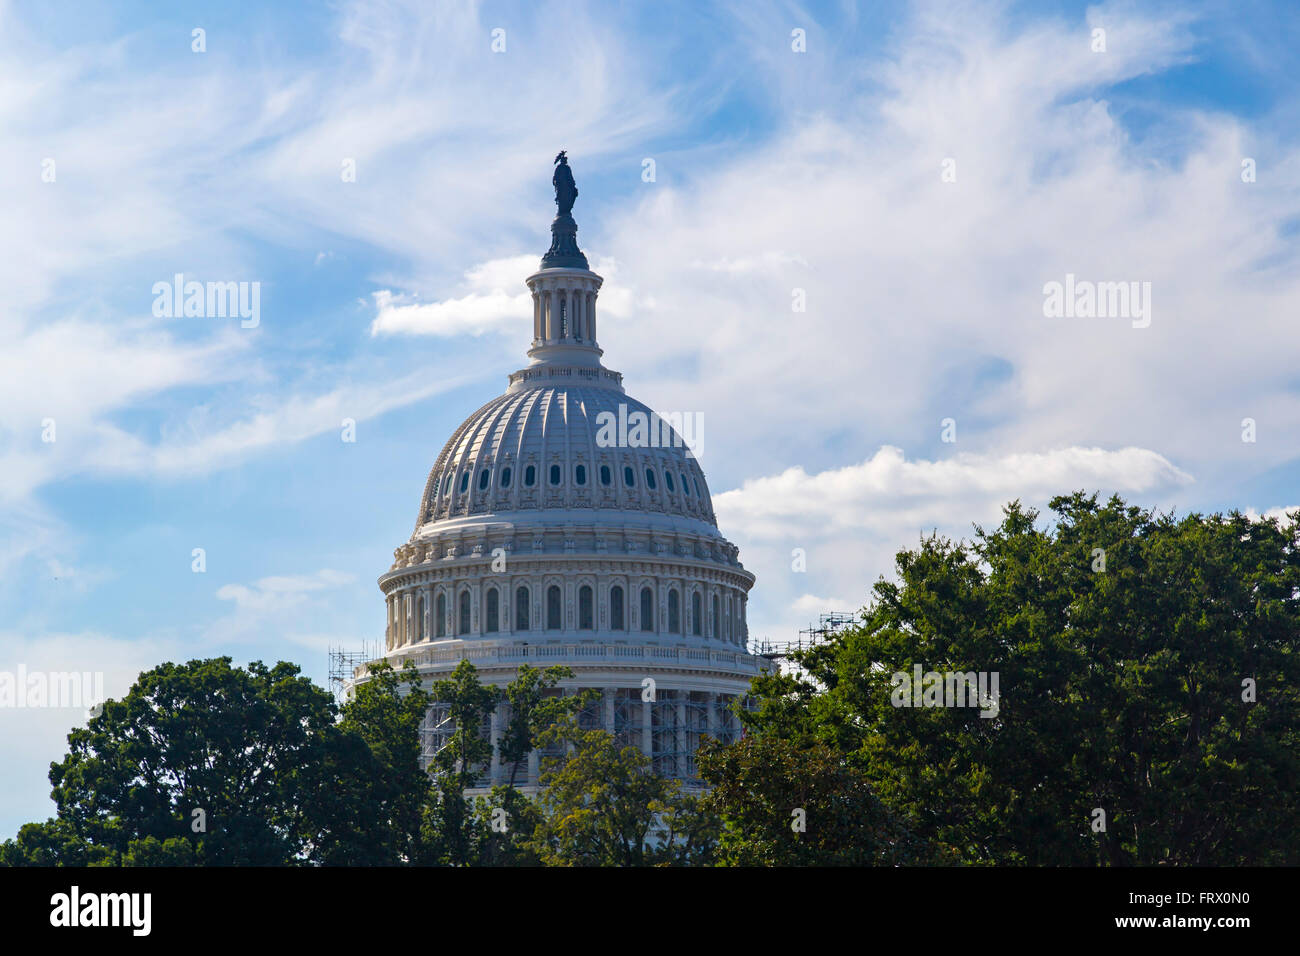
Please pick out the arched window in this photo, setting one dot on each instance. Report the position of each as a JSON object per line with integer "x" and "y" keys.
{"x": 629, "y": 476}
{"x": 647, "y": 609}
{"x": 586, "y": 613}
{"x": 580, "y": 474}
{"x": 483, "y": 477}
{"x": 697, "y": 611}
{"x": 668, "y": 480}
{"x": 605, "y": 477}
{"x": 650, "y": 479}
{"x": 440, "y": 607}
{"x": 419, "y": 623}
{"x": 530, "y": 476}
{"x": 616, "y": 608}
{"x": 464, "y": 482}
{"x": 686, "y": 485}
{"x": 521, "y": 609}
{"x": 555, "y": 474}
{"x": 446, "y": 485}
{"x": 493, "y": 623}
{"x": 505, "y": 477}
{"x": 464, "y": 613}
{"x": 713, "y": 624}
{"x": 553, "y": 608}
{"x": 674, "y": 612}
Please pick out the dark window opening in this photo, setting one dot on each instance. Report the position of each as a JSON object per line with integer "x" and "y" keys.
{"x": 616, "y": 608}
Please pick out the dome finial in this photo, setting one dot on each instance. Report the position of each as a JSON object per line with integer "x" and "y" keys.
{"x": 564, "y": 251}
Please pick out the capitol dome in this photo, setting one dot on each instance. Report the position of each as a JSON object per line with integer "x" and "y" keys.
{"x": 567, "y": 523}
{"x": 539, "y": 447}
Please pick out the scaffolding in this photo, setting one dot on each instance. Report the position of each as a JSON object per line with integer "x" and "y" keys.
{"x": 827, "y": 627}
{"x": 343, "y": 667}
{"x": 628, "y": 727}
{"x": 436, "y": 731}
{"x": 663, "y": 736}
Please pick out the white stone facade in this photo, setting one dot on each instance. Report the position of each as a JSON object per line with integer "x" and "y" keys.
{"x": 539, "y": 542}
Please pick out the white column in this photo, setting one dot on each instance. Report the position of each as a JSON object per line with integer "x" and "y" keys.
{"x": 537, "y": 317}
{"x": 590, "y": 314}
{"x": 553, "y": 322}
{"x": 609, "y": 709}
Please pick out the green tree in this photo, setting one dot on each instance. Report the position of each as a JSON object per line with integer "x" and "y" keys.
{"x": 533, "y": 711}
{"x": 602, "y": 805}
{"x": 211, "y": 764}
{"x": 385, "y": 712}
{"x": 786, "y": 804}
{"x": 453, "y": 831}
{"x": 1147, "y": 666}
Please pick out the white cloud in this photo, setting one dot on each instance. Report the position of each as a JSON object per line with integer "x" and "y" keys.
{"x": 472, "y": 314}
{"x": 886, "y": 489}
{"x": 812, "y": 605}
{"x": 924, "y": 298}
{"x": 1282, "y": 515}
{"x": 850, "y": 522}
{"x": 492, "y": 301}
{"x": 278, "y": 593}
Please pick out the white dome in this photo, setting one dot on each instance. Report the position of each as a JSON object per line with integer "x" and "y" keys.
{"x": 541, "y": 448}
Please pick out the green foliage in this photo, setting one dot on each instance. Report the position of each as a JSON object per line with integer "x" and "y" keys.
{"x": 469, "y": 705}
{"x": 782, "y": 804}
{"x": 385, "y": 713}
{"x": 603, "y": 806}
{"x": 1120, "y": 689}
{"x": 533, "y": 711}
{"x": 210, "y": 764}
{"x": 53, "y": 843}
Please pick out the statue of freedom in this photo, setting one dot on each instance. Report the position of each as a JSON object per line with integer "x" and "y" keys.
{"x": 566, "y": 190}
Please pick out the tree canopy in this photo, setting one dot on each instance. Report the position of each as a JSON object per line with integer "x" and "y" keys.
{"x": 1149, "y": 690}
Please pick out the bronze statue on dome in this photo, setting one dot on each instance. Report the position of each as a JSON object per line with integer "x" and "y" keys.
{"x": 566, "y": 190}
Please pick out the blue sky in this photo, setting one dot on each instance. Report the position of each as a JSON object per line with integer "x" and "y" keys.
{"x": 396, "y": 300}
